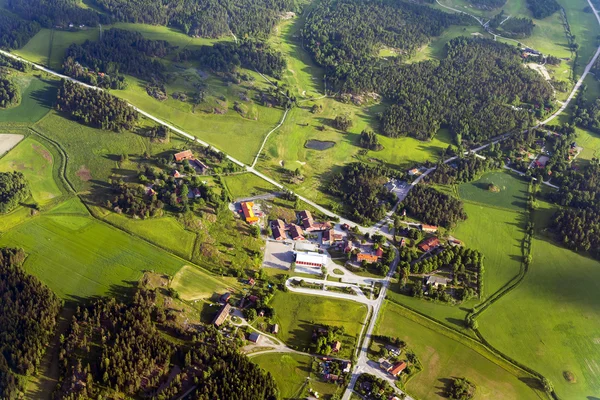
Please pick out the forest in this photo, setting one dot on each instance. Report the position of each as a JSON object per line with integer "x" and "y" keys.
{"x": 15, "y": 32}
{"x": 361, "y": 189}
{"x": 488, "y": 4}
{"x": 205, "y": 18}
{"x": 28, "y": 315}
{"x": 95, "y": 108}
{"x": 14, "y": 189}
{"x": 543, "y": 8}
{"x": 512, "y": 27}
{"x": 587, "y": 115}
{"x": 136, "y": 356}
{"x": 426, "y": 204}
{"x": 118, "y": 52}
{"x": 53, "y": 13}
{"x": 428, "y": 95}
{"x": 10, "y": 95}
{"x": 226, "y": 57}
{"x": 464, "y": 169}
{"x": 341, "y": 32}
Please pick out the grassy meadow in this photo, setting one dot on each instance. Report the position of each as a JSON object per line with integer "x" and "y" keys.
{"x": 37, "y": 98}
{"x": 193, "y": 283}
{"x": 37, "y": 163}
{"x": 512, "y": 195}
{"x": 298, "y": 314}
{"x": 247, "y": 185}
{"x": 444, "y": 357}
{"x": 551, "y": 321}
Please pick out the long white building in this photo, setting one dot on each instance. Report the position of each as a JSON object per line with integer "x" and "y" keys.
{"x": 311, "y": 259}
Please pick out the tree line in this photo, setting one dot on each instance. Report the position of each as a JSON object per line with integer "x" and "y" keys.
{"x": 134, "y": 356}
{"x": 512, "y": 27}
{"x": 463, "y": 169}
{"x": 95, "y": 108}
{"x": 488, "y": 4}
{"x": 14, "y": 189}
{"x": 205, "y": 18}
{"x": 56, "y": 13}
{"x": 10, "y": 95}
{"x": 360, "y": 186}
{"x": 426, "y": 204}
{"x": 15, "y": 32}
{"x": 28, "y": 316}
{"x": 543, "y": 8}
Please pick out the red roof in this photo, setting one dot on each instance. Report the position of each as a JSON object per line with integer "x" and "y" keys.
{"x": 397, "y": 368}
{"x": 296, "y": 232}
{"x": 184, "y": 155}
{"x": 379, "y": 252}
{"x": 429, "y": 244}
{"x": 306, "y": 218}
{"x": 370, "y": 258}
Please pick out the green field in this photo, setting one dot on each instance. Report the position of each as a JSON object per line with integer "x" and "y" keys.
{"x": 443, "y": 357}
{"x": 298, "y": 314}
{"x": 78, "y": 257}
{"x": 192, "y": 283}
{"x": 292, "y": 372}
{"x": 512, "y": 195}
{"x": 37, "y": 98}
{"x": 247, "y": 185}
{"x": 36, "y": 162}
{"x": 551, "y": 321}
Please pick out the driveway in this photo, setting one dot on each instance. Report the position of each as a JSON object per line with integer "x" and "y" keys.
{"x": 278, "y": 255}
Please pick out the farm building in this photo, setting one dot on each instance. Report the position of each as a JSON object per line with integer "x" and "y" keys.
{"x": 296, "y": 232}
{"x": 398, "y": 368}
{"x": 385, "y": 365}
{"x": 429, "y": 244}
{"x": 248, "y": 212}
{"x": 306, "y": 219}
{"x": 225, "y": 297}
{"x": 254, "y": 337}
{"x": 310, "y": 259}
{"x": 222, "y": 315}
{"x": 199, "y": 166}
{"x": 436, "y": 281}
{"x": 275, "y": 329}
{"x": 337, "y": 346}
{"x": 184, "y": 155}
{"x": 346, "y": 367}
{"x": 429, "y": 228}
{"x": 278, "y": 229}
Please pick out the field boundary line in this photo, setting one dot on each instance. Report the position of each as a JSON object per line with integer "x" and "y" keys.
{"x": 477, "y": 203}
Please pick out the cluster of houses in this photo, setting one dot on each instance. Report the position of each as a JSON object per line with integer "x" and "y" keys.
{"x": 297, "y": 231}
{"x": 333, "y": 370}
{"x": 394, "y": 369}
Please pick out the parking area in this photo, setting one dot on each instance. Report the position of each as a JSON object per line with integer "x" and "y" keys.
{"x": 278, "y": 255}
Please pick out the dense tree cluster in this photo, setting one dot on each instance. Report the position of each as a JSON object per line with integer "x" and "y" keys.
{"x": 341, "y": 32}
{"x": 432, "y": 207}
{"x": 95, "y": 108}
{"x": 14, "y": 32}
{"x": 462, "y": 170}
{"x": 226, "y": 57}
{"x": 579, "y": 229}
{"x": 12, "y": 63}
{"x": 28, "y": 313}
{"x": 10, "y": 95}
{"x": 461, "y": 389}
{"x": 132, "y": 356}
{"x": 56, "y": 13}
{"x": 361, "y": 189}
{"x": 368, "y": 385}
{"x": 512, "y": 27}
{"x": 587, "y": 115}
{"x": 488, "y": 4}
{"x": 543, "y": 8}
{"x": 342, "y": 122}
{"x": 118, "y": 52}
{"x": 206, "y": 18}
{"x": 14, "y": 189}
{"x": 368, "y": 140}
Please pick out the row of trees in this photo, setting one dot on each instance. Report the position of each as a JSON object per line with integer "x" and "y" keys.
{"x": 432, "y": 207}
{"x": 14, "y": 189}
{"x": 361, "y": 189}
{"x": 206, "y": 18}
{"x": 95, "y": 107}
{"x": 15, "y": 32}
{"x": 28, "y": 314}
{"x": 132, "y": 356}
{"x": 10, "y": 95}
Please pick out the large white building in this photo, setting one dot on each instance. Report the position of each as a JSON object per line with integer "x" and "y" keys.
{"x": 311, "y": 259}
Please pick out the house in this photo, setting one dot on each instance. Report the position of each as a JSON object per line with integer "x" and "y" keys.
{"x": 176, "y": 174}
{"x": 296, "y": 232}
{"x": 346, "y": 367}
{"x": 248, "y": 212}
{"x": 398, "y": 368}
{"x": 413, "y": 172}
{"x": 254, "y": 337}
{"x": 319, "y": 226}
{"x": 306, "y": 219}
{"x": 337, "y": 346}
{"x": 328, "y": 237}
{"x": 403, "y": 242}
{"x": 429, "y": 228}
{"x": 379, "y": 252}
{"x": 278, "y": 229}
{"x": 253, "y": 298}
{"x": 369, "y": 258}
{"x": 251, "y": 282}
{"x": 225, "y": 298}
{"x": 393, "y": 350}
{"x": 429, "y": 244}
{"x": 385, "y": 365}
{"x": 332, "y": 377}
{"x": 184, "y": 155}
{"x": 436, "y": 281}
{"x": 275, "y": 329}
{"x": 199, "y": 166}
{"x": 222, "y": 315}
{"x": 311, "y": 259}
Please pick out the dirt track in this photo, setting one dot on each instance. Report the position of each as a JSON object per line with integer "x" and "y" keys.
{"x": 8, "y": 141}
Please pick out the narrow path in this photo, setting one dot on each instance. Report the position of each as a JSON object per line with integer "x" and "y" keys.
{"x": 262, "y": 146}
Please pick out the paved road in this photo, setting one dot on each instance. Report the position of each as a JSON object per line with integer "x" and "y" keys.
{"x": 359, "y": 297}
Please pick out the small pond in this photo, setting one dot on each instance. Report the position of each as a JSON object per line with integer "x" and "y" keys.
{"x": 318, "y": 144}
